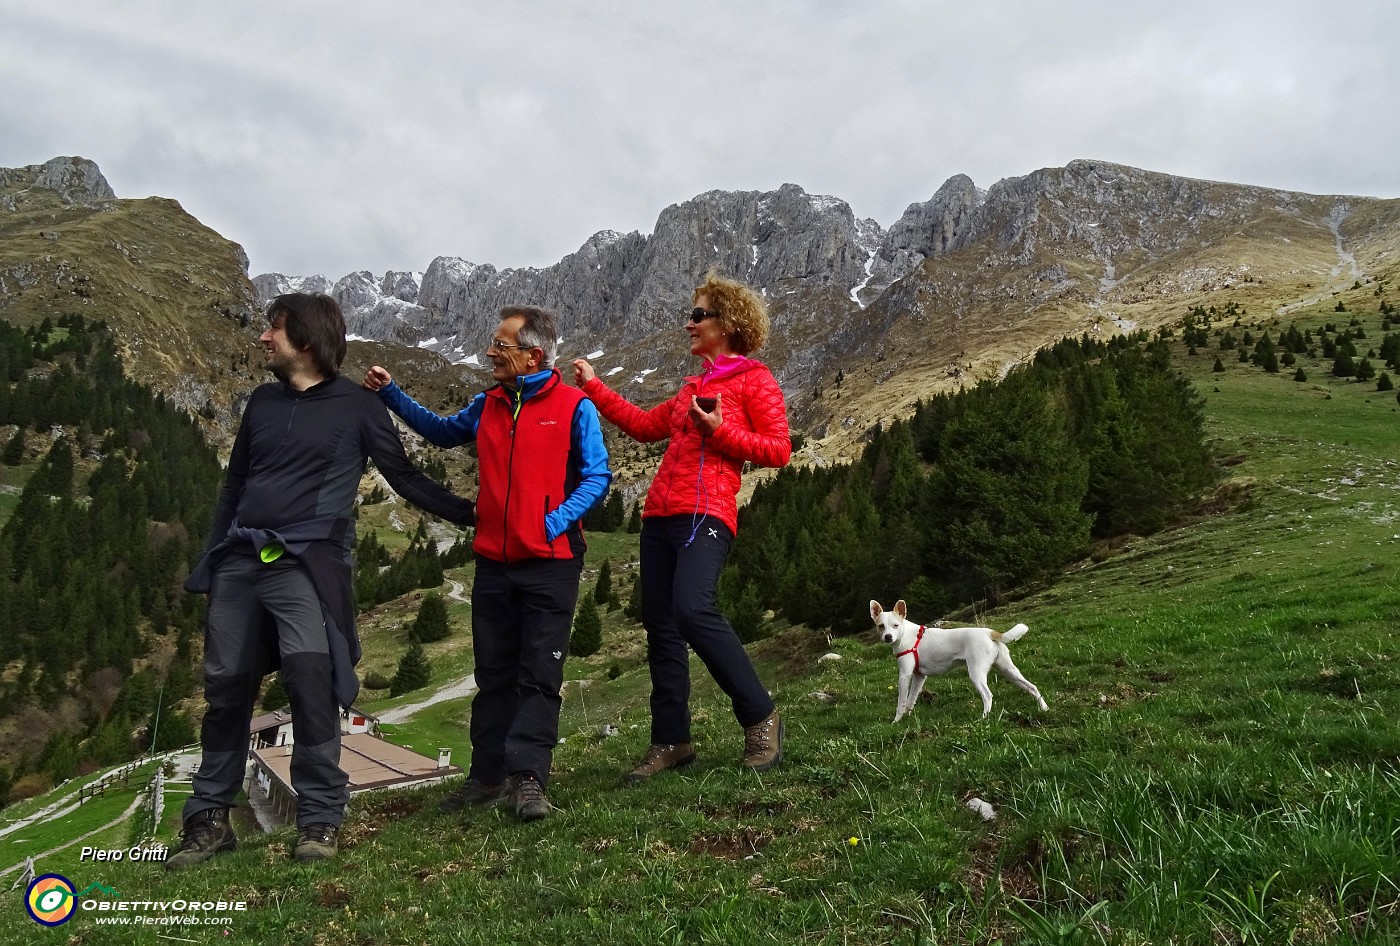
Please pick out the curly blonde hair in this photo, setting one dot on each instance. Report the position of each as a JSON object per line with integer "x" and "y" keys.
{"x": 742, "y": 312}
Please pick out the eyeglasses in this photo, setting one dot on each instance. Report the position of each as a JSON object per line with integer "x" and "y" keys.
{"x": 698, "y": 315}
{"x": 499, "y": 345}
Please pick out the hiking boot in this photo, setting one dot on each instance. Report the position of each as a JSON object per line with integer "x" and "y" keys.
{"x": 316, "y": 842}
{"x": 659, "y": 758}
{"x": 763, "y": 744}
{"x": 473, "y": 792}
{"x": 204, "y": 835}
{"x": 528, "y": 797}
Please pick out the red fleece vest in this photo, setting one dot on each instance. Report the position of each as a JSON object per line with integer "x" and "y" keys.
{"x": 525, "y": 471}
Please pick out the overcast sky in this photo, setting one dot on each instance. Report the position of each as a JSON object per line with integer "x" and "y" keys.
{"x": 327, "y": 137}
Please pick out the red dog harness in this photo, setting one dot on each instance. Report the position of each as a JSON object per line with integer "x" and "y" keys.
{"x": 915, "y": 651}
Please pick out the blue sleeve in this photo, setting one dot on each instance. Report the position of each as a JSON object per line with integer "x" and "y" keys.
{"x": 594, "y": 474}
{"x": 452, "y": 431}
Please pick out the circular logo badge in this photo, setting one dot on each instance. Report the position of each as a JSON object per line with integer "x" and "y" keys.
{"x": 51, "y": 900}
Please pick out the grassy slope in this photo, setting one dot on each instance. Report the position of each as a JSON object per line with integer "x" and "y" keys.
{"x": 1217, "y": 765}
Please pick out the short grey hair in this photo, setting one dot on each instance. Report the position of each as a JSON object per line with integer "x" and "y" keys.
{"x": 541, "y": 329}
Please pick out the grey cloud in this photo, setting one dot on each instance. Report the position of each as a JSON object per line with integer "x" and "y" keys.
{"x": 331, "y": 137}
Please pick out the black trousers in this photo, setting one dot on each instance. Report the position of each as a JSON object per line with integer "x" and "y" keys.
{"x": 238, "y": 651}
{"x": 679, "y": 576}
{"x": 521, "y": 617}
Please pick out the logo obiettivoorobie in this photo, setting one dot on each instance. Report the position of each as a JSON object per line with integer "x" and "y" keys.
{"x": 51, "y": 899}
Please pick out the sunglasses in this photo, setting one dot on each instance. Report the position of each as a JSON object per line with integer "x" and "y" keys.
{"x": 698, "y": 315}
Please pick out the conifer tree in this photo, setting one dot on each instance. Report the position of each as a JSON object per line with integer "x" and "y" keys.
{"x": 274, "y": 695}
{"x": 1007, "y": 492}
{"x": 175, "y": 730}
{"x": 603, "y": 590}
{"x": 746, "y": 615}
{"x": 55, "y": 474}
{"x": 414, "y": 671}
{"x": 14, "y": 448}
{"x": 431, "y": 623}
{"x": 634, "y": 601}
{"x": 634, "y": 521}
{"x": 614, "y": 514}
{"x": 587, "y": 636}
{"x": 898, "y": 483}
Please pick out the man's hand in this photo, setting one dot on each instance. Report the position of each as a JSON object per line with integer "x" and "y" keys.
{"x": 376, "y": 378}
{"x": 583, "y": 372}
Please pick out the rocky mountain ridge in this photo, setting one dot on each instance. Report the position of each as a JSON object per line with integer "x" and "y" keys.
{"x": 962, "y": 285}
{"x": 867, "y": 320}
{"x": 176, "y": 293}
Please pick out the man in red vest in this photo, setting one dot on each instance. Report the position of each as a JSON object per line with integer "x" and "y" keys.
{"x": 542, "y": 465}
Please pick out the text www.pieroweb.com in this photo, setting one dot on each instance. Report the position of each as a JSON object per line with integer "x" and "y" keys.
{"x": 119, "y": 920}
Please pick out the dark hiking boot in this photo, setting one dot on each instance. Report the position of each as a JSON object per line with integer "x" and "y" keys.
{"x": 763, "y": 744}
{"x": 659, "y": 758}
{"x": 528, "y": 798}
{"x": 316, "y": 842}
{"x": 473, "y": 793}
{"x": 204, "y": 835}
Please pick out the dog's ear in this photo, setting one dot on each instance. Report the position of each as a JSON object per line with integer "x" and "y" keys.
{"x": 875, "y": 610}
{"x": 900, "y": 609}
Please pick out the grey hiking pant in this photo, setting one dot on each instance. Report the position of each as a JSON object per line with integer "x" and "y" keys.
{"x": 253, "y": 608}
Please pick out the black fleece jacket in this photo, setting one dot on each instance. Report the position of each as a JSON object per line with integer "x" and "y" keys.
{"x": 293, "y": 476}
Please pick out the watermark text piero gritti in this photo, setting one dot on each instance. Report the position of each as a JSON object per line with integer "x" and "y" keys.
{"x": 152, "y": 854}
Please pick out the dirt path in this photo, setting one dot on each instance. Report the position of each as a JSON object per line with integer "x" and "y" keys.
{"x": 464, "y": 687}
{"x": 136, "y": 803}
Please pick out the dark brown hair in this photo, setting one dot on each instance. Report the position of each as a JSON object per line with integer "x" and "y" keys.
{"x": 314, "y": 323}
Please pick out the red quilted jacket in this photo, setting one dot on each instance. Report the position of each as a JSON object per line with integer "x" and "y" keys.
{"x": 754, "y": 429}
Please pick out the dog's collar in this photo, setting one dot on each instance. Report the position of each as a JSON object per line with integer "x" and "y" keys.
{"x": 914, "y": 650}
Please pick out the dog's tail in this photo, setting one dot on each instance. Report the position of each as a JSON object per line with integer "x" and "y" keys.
{"x": 1015, "y": 634}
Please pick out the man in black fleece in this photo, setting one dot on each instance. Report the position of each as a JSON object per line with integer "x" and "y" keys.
{"x": 277, "y": 569}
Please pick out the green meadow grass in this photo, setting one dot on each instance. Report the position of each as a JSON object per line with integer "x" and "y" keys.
{"x": 1218, "y": 764}
{"x": 87, "y": 817}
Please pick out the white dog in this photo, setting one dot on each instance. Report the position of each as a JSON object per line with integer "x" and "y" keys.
{"x": 923, "y": 651}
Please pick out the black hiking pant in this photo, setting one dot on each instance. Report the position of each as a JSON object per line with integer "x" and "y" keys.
{"x": 681, "y": 563}
{"x": 521, "y": 617}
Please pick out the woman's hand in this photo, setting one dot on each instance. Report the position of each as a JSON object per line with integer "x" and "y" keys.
{"x": 583, "y": 372}
{"x": 376, "y": 378}
{"x": 707, "y": 422}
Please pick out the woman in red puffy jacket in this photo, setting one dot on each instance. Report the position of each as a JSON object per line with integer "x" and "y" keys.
{"x": 730, "y": 413}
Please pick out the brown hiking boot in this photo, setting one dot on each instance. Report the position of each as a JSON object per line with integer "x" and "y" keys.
{"x": 474, "y": 793}
{"x": 204, "y": 835}
{"x": 316, "y": 842}
{"x": 659, "y": 758}
{"x": 528, "y": 797}
{"x": 763, "y": 744}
